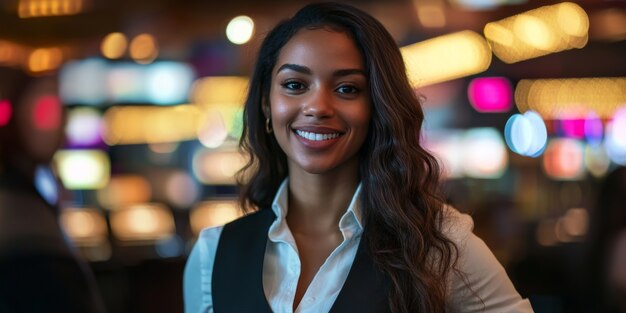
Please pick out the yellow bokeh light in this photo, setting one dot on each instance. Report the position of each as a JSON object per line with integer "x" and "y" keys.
{"x": 44, "y": 59}
{"x": 538, "y": 32}
{"x": 499, "y": 34}
{"x": 39, "y": 8}
{"x": 142, "y": 222}
{"x": 84, "y": 226}
{"x": 534, "y": 32}
{"x": 83, "y": 169}
{"x": 572, "y": 19}
{"x": 141, "y": 124}
{"x": 144, "y": 49}
{"x": 446, "y": 57}
{"x": 213, "y": 213}
{"x": 219, "y": 90}
{"x": 571, "y": 97}
{"x": 114, "y": 45}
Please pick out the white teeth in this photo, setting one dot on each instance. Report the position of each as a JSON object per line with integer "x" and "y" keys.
{"x": 316, "y": 137}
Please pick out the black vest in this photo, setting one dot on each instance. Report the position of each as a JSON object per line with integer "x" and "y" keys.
{"x": 237, "y": 283}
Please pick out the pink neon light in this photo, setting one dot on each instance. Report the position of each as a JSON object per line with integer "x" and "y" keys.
{"x": 572, "y": 128}
{"x": 490, "y": 94}
{"x": 47, "y": 113}
{"x": 5, "y": 112}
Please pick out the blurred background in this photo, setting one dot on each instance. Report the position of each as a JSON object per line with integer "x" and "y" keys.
{"x": 525, "y": 104}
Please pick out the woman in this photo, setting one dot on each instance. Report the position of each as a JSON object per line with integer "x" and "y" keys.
{"x": 349, "y": 219}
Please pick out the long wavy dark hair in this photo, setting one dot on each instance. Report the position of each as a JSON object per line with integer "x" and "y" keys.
{"x": 400, "y": 201}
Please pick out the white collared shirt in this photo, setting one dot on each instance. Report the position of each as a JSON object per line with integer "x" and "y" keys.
{"x": 281, "y": 267}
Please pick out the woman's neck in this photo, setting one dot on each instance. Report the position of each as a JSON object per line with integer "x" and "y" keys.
{"x": 317, "y": 201}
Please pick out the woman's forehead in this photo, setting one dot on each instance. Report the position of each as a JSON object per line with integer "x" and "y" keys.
{"x": 321, "y": 48}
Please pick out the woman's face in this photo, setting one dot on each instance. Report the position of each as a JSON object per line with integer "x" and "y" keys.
{"x": 319, "y": 101}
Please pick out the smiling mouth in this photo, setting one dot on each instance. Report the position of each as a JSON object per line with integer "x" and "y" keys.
{"x": 316, "y": 136}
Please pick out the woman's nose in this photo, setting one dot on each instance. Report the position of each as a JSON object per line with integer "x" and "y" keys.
{"x": 319, "y": 104}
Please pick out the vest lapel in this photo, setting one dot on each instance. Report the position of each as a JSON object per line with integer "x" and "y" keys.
{"x": 366, "y": 286}
{"x": 237, "y": 283}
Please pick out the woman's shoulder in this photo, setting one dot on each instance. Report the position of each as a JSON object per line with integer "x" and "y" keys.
{"x": 455, "y": 225}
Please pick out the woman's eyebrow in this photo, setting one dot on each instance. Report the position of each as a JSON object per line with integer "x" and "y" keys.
{"x": 295, "y": 67}
{"x": 348, "y": 71}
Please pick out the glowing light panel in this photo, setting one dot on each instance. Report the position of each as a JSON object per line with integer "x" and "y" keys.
{"x": 490, "y": 94}
{"x": 84, "y": 127}
{"x": 446, "y": 57}
{"x": 84, "y": 226}
{"x": 83, "y": 169}
{"x": 484, "y": 153}
{"x": 213, "y": 213}
{"x": 142, "y": 223}
{"x": 6, "y": 111}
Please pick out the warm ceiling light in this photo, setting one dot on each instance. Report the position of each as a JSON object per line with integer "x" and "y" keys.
{"x": 538, "y": 32}
{"x": 240, "y": 29}
{"x": 44, "y": 59}
{"x": 144, "y": 49}
{"x": 39, "y": 8}
{"x": 446, "y": 57}
{"x": 114, "y": 45}
{"x": 571, "y": 97}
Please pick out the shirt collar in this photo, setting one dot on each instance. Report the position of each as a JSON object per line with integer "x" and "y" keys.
{"x": 350, "y": 221}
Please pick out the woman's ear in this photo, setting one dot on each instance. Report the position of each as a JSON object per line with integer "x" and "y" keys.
{"x": 266, "y": 109}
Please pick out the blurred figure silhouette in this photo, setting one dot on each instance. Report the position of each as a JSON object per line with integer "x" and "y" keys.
{"x": 38, "y": 270}
{"x": 608, "y": 246}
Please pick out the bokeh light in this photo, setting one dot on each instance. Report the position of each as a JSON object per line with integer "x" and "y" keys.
{"x": 597, "y": 160}
{"x": 6, "y": 111}
{"x": 124, "y": 190}
{"x": 142, "y": 223}
{"x": 490, "y": 94}
{"x": 571, "y": 97}
{"x": 144, "y": 49}
{"x": 594, "y": 129}
{"x": 484, "y": 153}
{"x": 181, "y": 190}
{"x": 217, "y": 167}
{"x": 84, "y": 226}
{"x": 563, "y": 159}
{"x": 45, "y": 59}
{"x": 114, "y": 45}
{"x": 213, "y": 213}
{"x": 47, "y": 113}
{"x": 615, "y": 141}
{"x": 446, "y": 57}
{"x": 526, "y": 134}
{"x": 83, "y": 169}
{"x": 538, "y": 32}
{"x": 168, "y": 82}
{"x": 84, "y": 127}
{"x": 84, "y": 82}
{"x": 40, "y": 8}
{"x": 240, "y": 29}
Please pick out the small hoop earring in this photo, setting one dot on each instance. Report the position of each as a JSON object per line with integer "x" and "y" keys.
{"x": 268, "y": 126}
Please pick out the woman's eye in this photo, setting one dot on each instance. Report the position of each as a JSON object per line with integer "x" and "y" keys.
{"x": 347, "y": 89}
{"x": 293, "y": 85}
